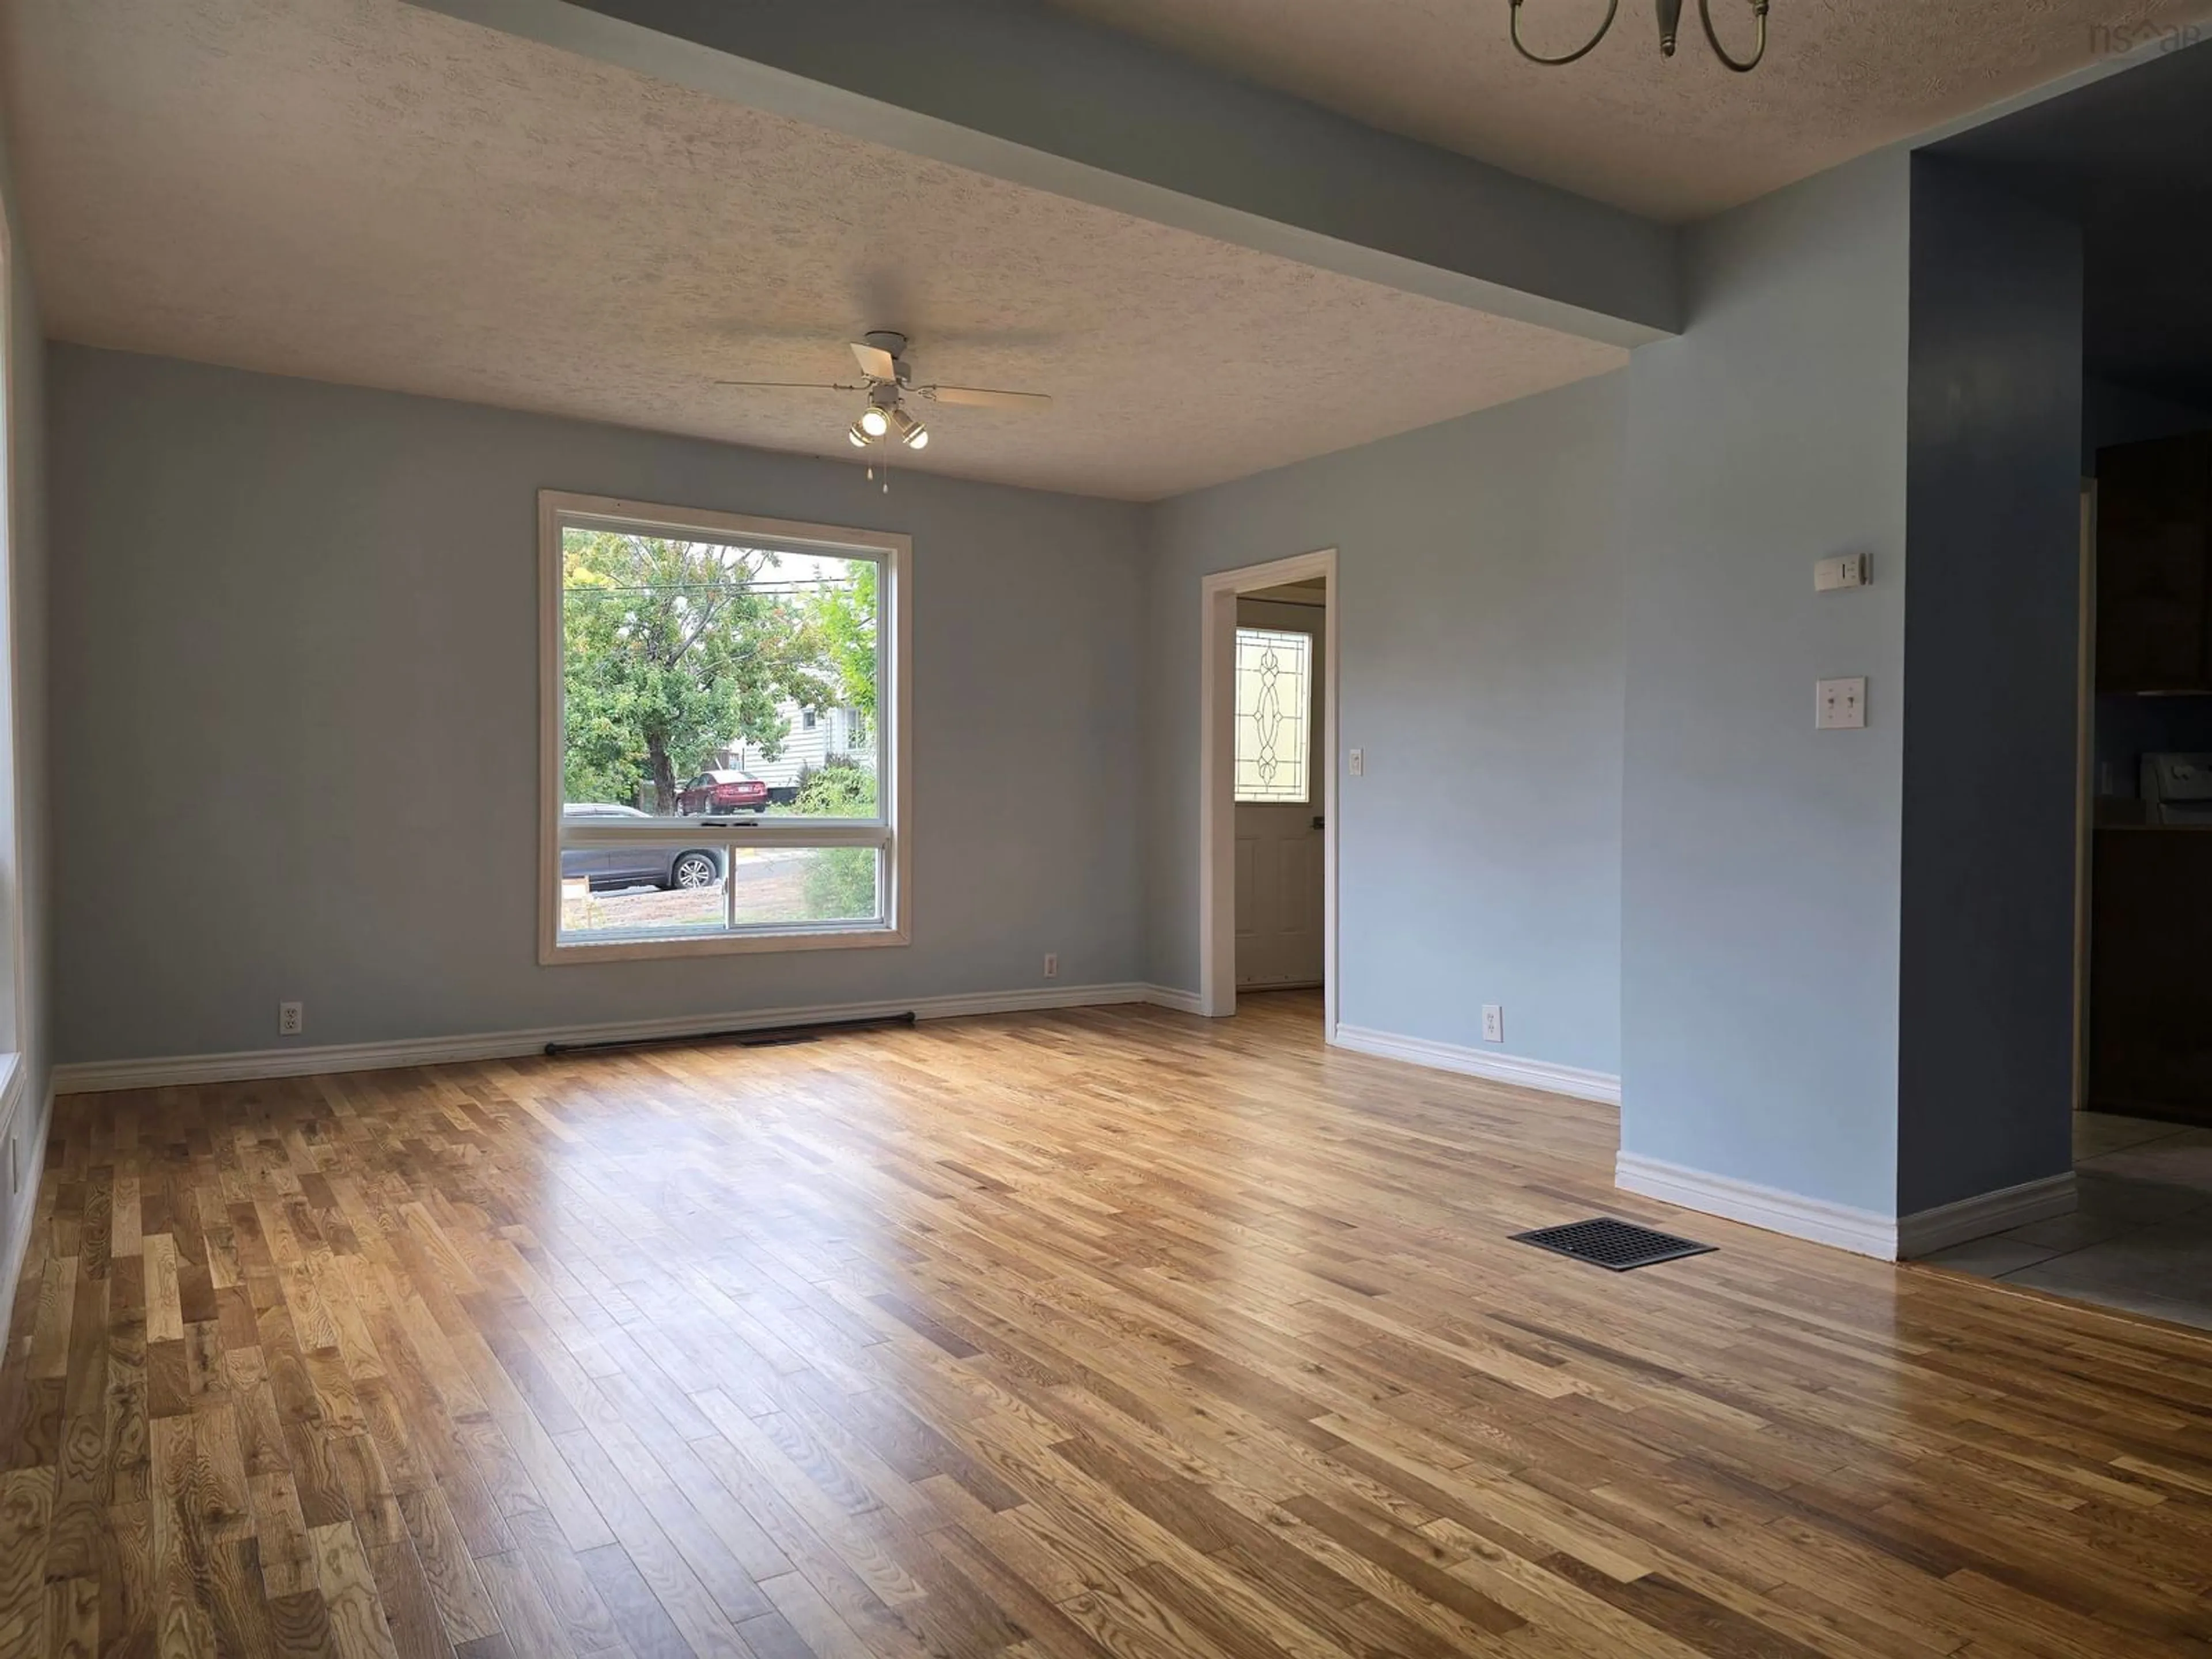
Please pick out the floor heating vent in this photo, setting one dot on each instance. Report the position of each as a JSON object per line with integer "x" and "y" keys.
{"x": 1619, "y": 1245}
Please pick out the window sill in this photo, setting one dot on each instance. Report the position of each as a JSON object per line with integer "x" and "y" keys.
{"x": 558, "y": 954}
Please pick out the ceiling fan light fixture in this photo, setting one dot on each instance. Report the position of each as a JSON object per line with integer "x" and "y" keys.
{"x": 907, "y": 430}
{"x": 881, "y": 355}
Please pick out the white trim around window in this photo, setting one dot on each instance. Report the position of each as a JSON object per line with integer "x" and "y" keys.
{"x": 558, "y": 510}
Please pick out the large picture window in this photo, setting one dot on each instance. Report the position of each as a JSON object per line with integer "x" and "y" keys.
{"x": 724, "y": 721}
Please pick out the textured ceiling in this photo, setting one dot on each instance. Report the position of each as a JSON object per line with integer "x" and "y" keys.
{"x": 365, "y": 192}
{"x": 1676, "y": 140}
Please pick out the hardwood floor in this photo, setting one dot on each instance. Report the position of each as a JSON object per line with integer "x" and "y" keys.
{"x": 1113, "y": 1331}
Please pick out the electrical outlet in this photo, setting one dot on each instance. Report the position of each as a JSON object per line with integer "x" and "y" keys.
{"x": 1840, "y": 705}
{"x": 1051, "y": 964}
{"x": 1493, "y": 1022}
{"x": 1358, "y": 761}
{"x": 291, "y": 1018}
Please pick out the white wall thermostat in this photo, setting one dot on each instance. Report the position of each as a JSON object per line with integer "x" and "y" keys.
{"x": 1845, "y": 570}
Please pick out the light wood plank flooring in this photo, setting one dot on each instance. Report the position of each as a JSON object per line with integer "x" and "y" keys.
{"x": 1103, "y": 1333}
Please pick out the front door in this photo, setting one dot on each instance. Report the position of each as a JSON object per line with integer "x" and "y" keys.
{"x": 1278, "y": 794}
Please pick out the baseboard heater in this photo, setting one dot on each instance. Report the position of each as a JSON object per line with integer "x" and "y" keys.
{"x": 754, "y": 1036}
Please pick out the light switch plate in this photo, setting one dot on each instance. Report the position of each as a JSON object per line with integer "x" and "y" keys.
{"x": 1845, "y": 570}
{"x": 1358, "y": 761}
{"x": 1840, "y": 705}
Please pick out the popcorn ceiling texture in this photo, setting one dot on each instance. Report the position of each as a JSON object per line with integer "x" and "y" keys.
{"x": 1674, "y": 140}
{"x": 364, "y": 191}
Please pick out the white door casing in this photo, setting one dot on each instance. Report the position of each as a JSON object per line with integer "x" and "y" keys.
{"x": 1216, "y": 849}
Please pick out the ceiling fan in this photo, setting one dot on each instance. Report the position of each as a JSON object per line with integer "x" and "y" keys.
{"x": 887, "y": 377}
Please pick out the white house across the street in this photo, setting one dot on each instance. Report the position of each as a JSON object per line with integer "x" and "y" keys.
{"x": 812, "y": 737}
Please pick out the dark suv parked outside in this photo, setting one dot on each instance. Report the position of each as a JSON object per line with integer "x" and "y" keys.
{"x": 608, "y": 868}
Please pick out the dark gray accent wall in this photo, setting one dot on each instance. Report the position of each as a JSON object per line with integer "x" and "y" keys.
{"x": 295, "y": 689}
{"x": 1992, "y": 628}
{"x": 2115, "y": 414}
{"x": 1479, "y": 627}
{"x": 2129, "y": 156}
{"x": 1760, "y": 868}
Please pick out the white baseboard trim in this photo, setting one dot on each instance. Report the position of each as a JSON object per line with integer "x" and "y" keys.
{"x": 1925, "y": 1231}
{"x": 96, "y": 1077}
{"x": 1868, "y": 1232}
{"x": 16, "y": 1100}
{"x": 1863, "y": 1231}
{"x": 1168, "y": 996}
{"x": 1484, "y": 1063}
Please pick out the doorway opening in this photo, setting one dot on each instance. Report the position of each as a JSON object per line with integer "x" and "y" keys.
{"x": 2140, "y": 1236}
{"x": 1268, "y": 819}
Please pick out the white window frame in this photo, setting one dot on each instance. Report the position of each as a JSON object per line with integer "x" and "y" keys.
{"x": 557, "y": 509}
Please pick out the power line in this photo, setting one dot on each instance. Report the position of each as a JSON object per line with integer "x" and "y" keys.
{"x": 706, "y": 587}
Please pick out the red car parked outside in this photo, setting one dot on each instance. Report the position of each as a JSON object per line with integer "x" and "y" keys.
{"x": 722, "y": 791}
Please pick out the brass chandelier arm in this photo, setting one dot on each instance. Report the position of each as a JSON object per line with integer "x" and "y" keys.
{"x": 1741, "y": 66}
{"x": 1612, "y": 10}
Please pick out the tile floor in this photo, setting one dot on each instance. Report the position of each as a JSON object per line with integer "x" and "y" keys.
{"x": 2141, "y": 1240}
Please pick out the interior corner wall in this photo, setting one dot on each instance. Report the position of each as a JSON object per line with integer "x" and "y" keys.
{"x": 26, "y": 898}
{"x": 295, "y": 704}
{"x": 1479, "y": 595}
{"x": 1992, "y": 630}
{"x": 1760, "y": 882}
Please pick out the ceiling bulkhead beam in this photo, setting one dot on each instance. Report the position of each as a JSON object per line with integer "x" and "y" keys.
{"x": 1053, "y": 103}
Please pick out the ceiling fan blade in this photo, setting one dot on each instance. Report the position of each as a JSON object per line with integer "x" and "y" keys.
{"x": 982, "y": 398}
{"x": 875, "y": 363}
{"x": 794, "y": 385}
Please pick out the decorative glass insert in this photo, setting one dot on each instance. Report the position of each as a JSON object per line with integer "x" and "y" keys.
{"x": 1275, "y": 700}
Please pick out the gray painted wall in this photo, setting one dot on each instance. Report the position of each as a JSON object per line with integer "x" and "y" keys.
{"x": 24, "y": 807}
{"x": 1760, "y": 882}
{"x": 1992, "y": 629}
{"x": 294, "y": 678}
{"x": 1479, "y": 602}
{"x": 294, "y": 659}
